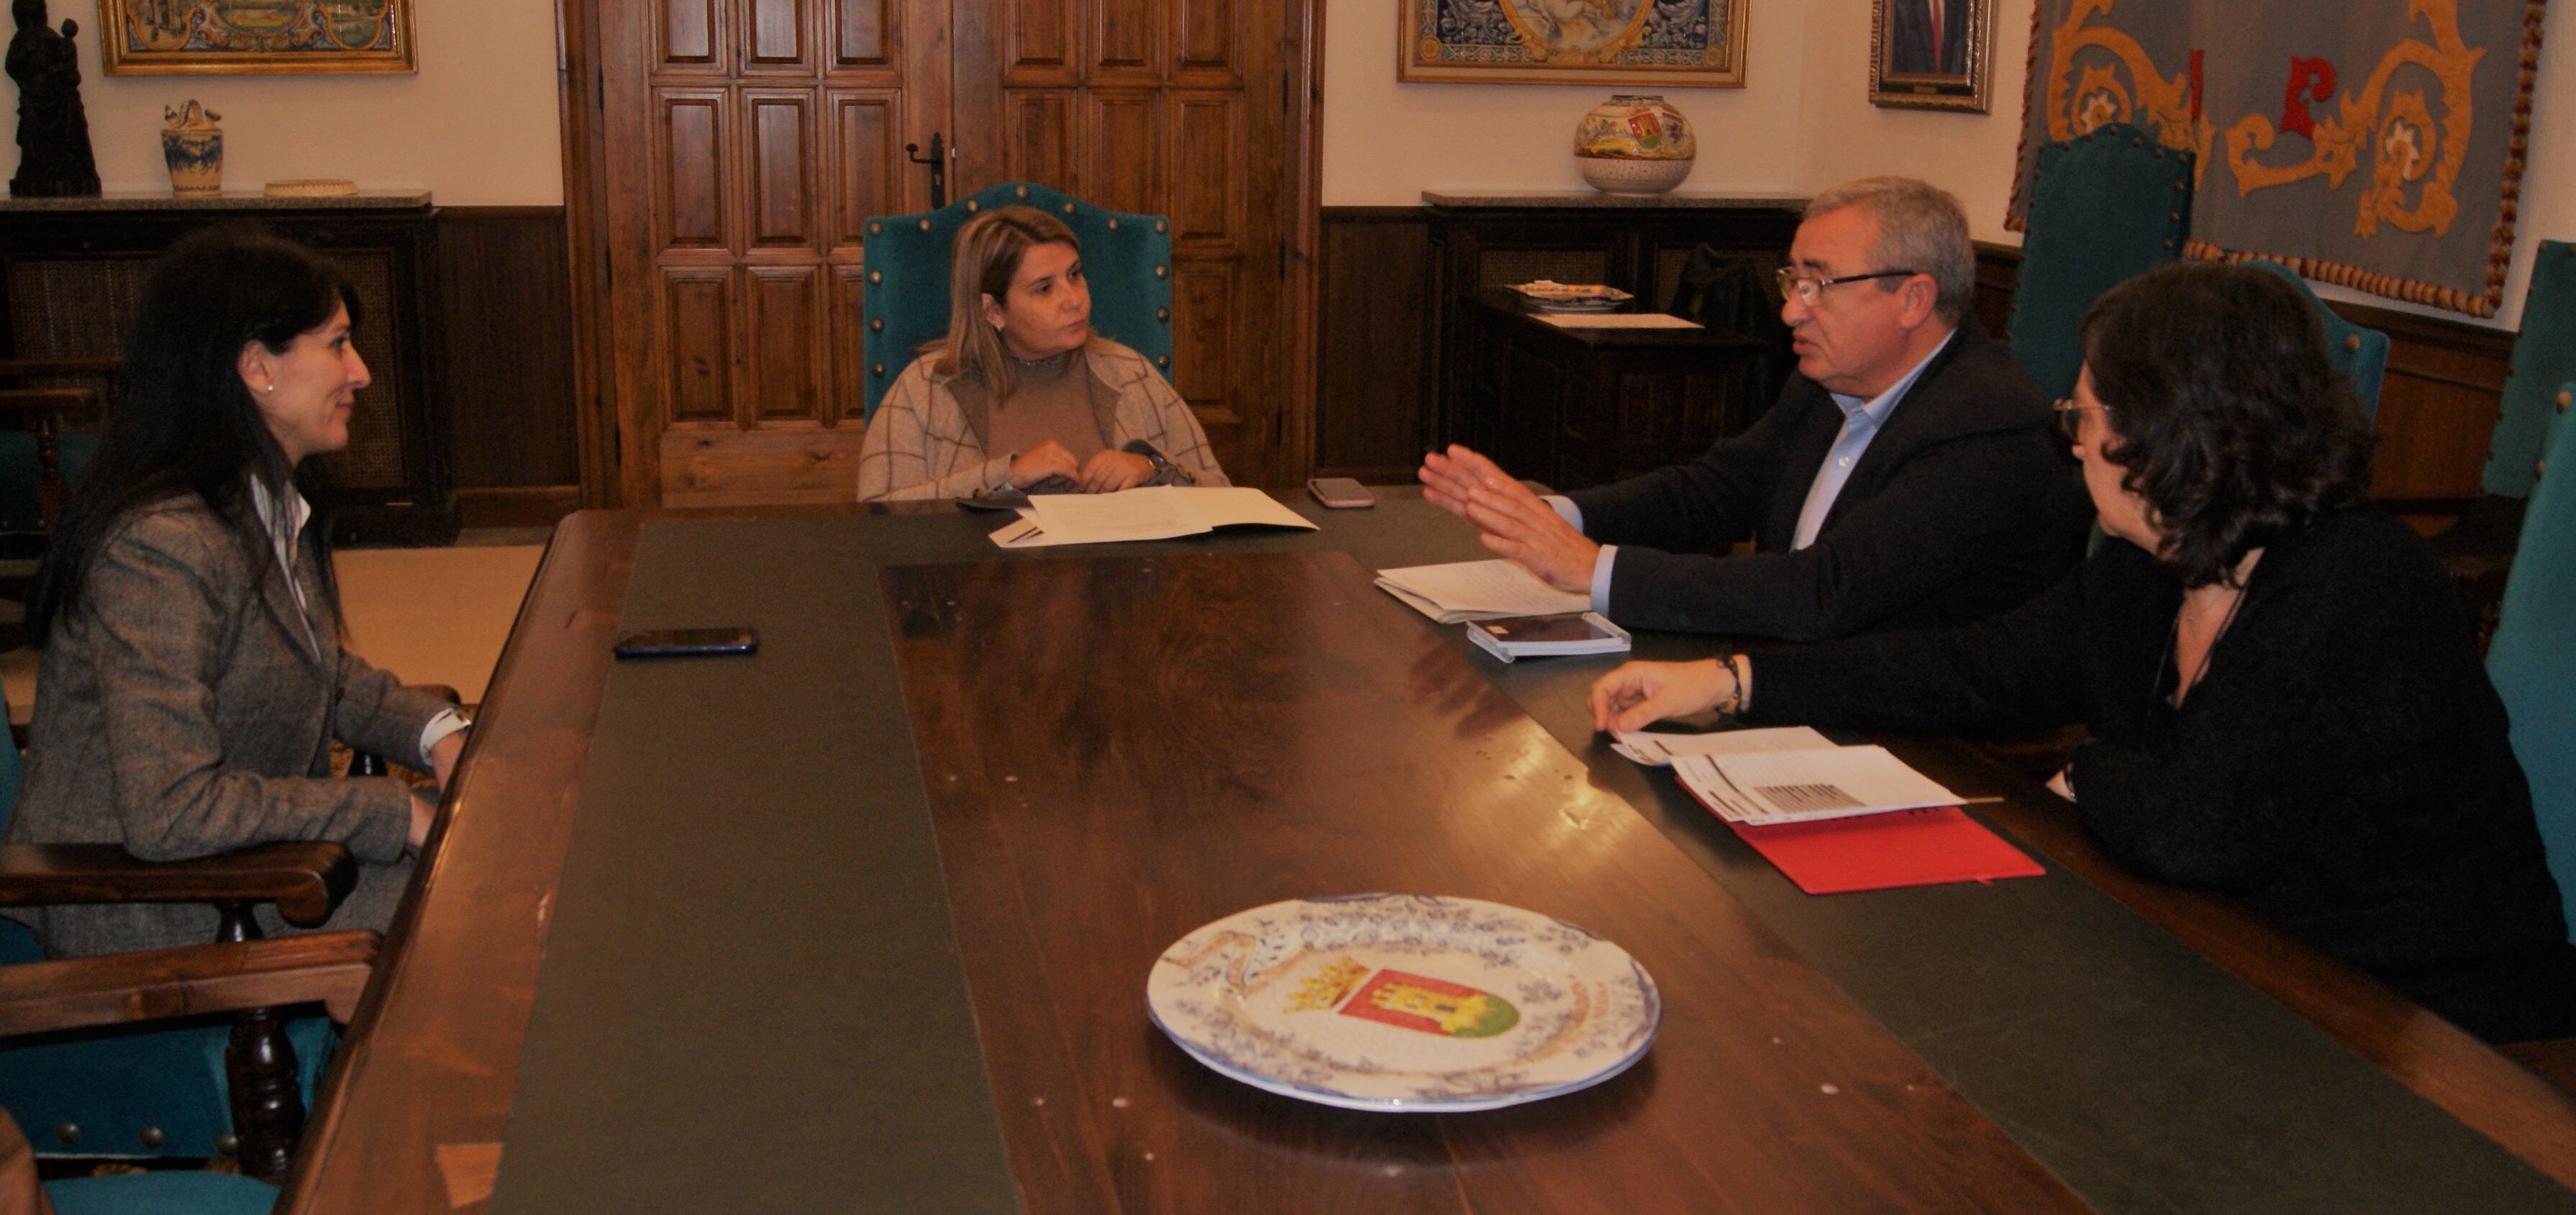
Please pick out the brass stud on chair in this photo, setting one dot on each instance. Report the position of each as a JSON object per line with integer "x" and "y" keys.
{"x": 2563, "y": 397}
{"x": 1020, "y": 191}
{"x": 2352, "y": 342}
{"x": 1068, "y": 208}
{"x": 1162, "y": 271}
{"x": 973, "y": 206}
{"x": 1163, "y": 361}
{"x": 925, "y": 225}
{"x": 67, "y": 1132}
{"x": 876, "y": 324}
{"x": 151, "y": 1137}
{"x": 876, "y": 276}
{"x": 1113, "y": 223}
{"x": 1159, "y": 225}
{"x": 227, "y": 1145}
{"x": 876, "y": 369}
{"x": 1165, "y": 315}
{"x": 875, "y": 228}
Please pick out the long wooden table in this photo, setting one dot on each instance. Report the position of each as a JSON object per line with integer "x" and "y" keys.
{"x": 863, "y": 924}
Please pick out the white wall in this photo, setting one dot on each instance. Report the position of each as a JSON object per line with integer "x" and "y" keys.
{"x": 476, "y": 125}
{"x": 1386, "y": 142}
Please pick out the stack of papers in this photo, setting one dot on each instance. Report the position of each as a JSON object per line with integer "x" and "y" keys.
{"x": 1769, "y": 777}
{"x": 1478, "y": 590}
{"x": 1739, "y": 775}
{"x": 1158, "y": 512}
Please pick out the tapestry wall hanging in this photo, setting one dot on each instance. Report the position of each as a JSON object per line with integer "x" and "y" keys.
{"x": 2375, "y": 144}
{"x": 254, "y": 37}
{"x": 1621, "y": 42}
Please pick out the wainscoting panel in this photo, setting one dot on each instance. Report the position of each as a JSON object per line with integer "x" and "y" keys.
{"x": 501, "y": 364}
{"x": 1372, "y": 400}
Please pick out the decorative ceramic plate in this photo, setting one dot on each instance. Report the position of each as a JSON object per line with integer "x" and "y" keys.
{"x": 1405, "y": 1003}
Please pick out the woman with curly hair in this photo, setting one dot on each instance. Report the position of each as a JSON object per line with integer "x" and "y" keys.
{"x": 2284, "y": 699}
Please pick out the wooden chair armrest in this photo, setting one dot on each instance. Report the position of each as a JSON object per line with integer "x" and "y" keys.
{"x": 47, "y": 400}
{"x": 115, "y": 989}
{"x": 305, "y": 880}
{"x": 72, "y": 365}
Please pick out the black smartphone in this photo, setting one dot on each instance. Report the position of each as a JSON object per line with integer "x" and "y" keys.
{"x": 1340, "y": 493}
{"x": 681, "y": 643}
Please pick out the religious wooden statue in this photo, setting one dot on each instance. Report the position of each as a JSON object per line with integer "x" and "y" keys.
{"x": 53, "y": 131}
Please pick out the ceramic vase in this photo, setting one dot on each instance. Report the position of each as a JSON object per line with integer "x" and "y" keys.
{"x": 1634, "y": 144}
{"x": 194, "y": 148}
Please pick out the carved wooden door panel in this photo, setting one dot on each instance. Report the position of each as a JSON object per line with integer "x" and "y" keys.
{"x": 746, "y": 142}
{"x": 1171, "y": 107}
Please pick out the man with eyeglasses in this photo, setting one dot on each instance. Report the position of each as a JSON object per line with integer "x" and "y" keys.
{"x": 1908, "y": 475}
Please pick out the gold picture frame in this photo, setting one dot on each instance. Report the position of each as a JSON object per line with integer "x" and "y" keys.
{"x": 254, "y": 37}
{"x": 1627, "y": 43}
{"x": 1931, "y": 54}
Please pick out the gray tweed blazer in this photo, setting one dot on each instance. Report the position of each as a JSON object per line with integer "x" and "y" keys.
{"x": 181, "y": 711}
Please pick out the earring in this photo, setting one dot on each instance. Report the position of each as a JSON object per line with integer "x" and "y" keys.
{"x": 268, "y": 388}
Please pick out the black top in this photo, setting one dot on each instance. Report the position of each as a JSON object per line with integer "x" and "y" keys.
{"x": 1964, "y": 505}
{"x": 2342, "y": 767}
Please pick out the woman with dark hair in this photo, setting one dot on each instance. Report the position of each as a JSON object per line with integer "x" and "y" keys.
{"x": 192, "y": 678}
{"x": 1021, "y": 395}
{"x": 2283, "y": 696}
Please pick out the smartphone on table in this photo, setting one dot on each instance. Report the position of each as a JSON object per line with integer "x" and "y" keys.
{"x": 684, "y": 643}
{"x": 1340, "y": 493}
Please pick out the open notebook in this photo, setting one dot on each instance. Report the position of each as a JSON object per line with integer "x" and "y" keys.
{"x": 1158, "y": 512}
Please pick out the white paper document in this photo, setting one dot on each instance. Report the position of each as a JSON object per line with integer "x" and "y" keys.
{"x": 1477, "y": 590}
{"x": 1158, "y": 512}
{"x": 1763, "y": 788}
{"x": 1616, "y": 320}
{"x": 1657, "y": 750}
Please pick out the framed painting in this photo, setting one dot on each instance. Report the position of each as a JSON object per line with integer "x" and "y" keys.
{"x": 1930, "y": 54}
{"x": 1617, "y": 42}
{"x": 254, "y": 37}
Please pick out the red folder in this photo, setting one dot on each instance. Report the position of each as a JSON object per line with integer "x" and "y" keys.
{"x": 1879, "y": 851}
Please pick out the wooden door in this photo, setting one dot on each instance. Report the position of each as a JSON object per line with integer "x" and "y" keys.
{"x": 744, "y": 144}
{"x": 1169, "y": 107}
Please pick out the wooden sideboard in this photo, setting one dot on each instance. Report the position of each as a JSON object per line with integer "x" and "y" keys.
{"x": 71, "y": 270}
{"x": 1489, "y": 366}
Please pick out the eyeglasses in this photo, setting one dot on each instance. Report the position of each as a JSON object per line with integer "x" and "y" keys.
{"x": 2070, "y": 417}
{"x": 1808, "y": 290}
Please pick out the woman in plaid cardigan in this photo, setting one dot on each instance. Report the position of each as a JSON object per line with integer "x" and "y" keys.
{"x": 1021, "y": 396}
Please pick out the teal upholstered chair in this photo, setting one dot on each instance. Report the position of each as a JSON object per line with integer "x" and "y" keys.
{"x": 2359, "y": 352}
{"x": 2533, "y": 656}
{"x": 2104, "y": 208}
{"x": 2544, "y": 359}
{"x": 140, "y": 1091}
{"x": 1128, "y": 259}
{"x": 187, "y": 1192}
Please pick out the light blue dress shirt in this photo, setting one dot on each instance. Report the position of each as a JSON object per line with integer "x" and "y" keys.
{"x": 1861, "y": 423}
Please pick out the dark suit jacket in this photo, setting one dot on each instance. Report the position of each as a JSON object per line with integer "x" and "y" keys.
{"x": 2343, "y": 766}
{"x": 181, "y": 712}
{"x": 1915, "y": 48}
{"x": 1965, "y": 504}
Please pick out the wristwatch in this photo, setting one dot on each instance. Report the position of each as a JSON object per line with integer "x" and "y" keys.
{"x": 1163, "y": 469}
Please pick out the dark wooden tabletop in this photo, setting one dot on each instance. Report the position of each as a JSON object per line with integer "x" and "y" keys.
{"x": 1176, "y": 766}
